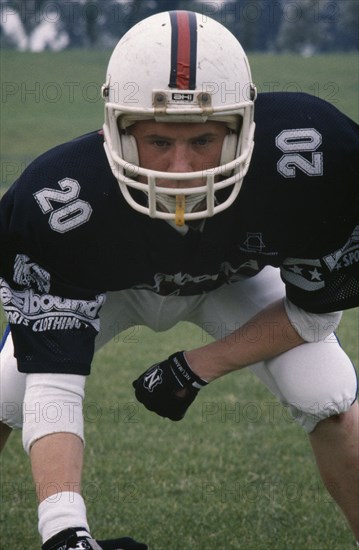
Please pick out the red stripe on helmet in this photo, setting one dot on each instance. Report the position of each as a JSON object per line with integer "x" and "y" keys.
{"x": 183, "y": 51}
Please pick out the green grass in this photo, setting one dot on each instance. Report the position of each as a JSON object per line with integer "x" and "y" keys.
{"x": 46, "y": 99}
{"x": 236, "y": 473}
{"x": 334, "y": 78}
{"x": 49, "y": 98}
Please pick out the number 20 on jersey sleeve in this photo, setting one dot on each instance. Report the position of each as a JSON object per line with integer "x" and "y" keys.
{"x": 75, "y": 211}
{"x": 294, "y": 142}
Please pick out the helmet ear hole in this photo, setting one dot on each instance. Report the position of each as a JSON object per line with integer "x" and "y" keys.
{"x": 129, "y": 149}
{"x": 229, "y": 148}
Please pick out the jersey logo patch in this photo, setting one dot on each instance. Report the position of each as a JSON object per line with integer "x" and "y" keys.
{"x": 44, "y": 312}
{"x": 345, "y": 256}
{"x": 28, "y": 273}
{"x": 254, "y": 242}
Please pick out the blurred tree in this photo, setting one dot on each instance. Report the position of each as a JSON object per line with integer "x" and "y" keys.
{"x": 348, "y": 24}
{"x": 302, "y": 26}
{"x": 91, "y": 14}
{"x": 259, "y": 22}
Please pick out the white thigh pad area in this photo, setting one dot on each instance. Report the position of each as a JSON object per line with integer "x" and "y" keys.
{"x": 314, "y": 381}
{"x": 312, "y": 327}
{"x": 12, "y": 386}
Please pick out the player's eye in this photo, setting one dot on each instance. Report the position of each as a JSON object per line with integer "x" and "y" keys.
{"x": 161, "y": 143}
{"x": 202, "y": 141}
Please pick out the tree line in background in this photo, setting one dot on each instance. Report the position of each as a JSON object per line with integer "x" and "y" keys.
{"x": 300, "y": 26}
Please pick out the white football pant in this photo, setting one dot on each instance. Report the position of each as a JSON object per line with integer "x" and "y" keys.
{"x": 315, "y": 380}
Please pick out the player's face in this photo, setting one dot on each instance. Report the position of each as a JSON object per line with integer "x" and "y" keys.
{"x": 179, "y": 147}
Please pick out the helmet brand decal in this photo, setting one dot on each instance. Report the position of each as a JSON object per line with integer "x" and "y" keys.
{"x": 182, "y": 97}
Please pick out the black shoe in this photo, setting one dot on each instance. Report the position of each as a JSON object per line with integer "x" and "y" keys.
{"x": 78, "y": 538}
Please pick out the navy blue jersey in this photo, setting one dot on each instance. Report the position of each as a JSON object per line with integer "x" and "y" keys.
{"x": 68, "y": 236}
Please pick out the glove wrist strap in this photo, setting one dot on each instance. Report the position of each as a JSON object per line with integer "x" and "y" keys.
{"x": 188, "y": 377}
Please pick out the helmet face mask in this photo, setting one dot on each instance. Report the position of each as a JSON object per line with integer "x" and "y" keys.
{"x": 178, "y": 67}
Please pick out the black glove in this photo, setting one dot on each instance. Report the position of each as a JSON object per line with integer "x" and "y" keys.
{"x": 158, "y": 386}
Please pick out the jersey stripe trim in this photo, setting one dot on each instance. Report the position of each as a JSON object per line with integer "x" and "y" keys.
{"x": 183, "y": 50}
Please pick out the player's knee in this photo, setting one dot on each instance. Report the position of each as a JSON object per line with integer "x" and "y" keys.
{"x": 346, "y": 420}
{"x": 310, "y": 416}
{"x": 12, "y": 387}
{"x": 331, "y": 400}
{"x": 52, "y": 404}
{"x": 5, "y": 431}
{"x": 316, "y": 381}
{"x": 11, "y": 414}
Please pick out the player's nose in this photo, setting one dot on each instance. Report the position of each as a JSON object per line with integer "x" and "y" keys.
{"x": 181, "y": 161}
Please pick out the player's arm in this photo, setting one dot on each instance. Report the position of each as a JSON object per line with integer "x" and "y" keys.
{"x": 168, "y": 388}
{"x": 309, "y": 313}
{"x": 267, "y": 334}
{"x": 281, "y": 326}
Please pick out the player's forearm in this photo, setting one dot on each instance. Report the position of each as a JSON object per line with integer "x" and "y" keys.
{"x": 266, "y": 335}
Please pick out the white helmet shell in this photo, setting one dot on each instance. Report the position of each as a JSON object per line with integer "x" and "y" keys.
{"x": 179, "y": 66}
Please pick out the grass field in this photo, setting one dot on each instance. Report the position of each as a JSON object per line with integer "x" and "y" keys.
{"x": 236, "y": 473}
{"x": 49, "y": 98}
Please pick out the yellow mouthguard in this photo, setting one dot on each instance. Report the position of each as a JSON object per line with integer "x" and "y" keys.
{"x": 180, "y": 209}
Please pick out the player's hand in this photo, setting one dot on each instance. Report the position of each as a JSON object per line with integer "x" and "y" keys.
{"x": 168, "y": 388}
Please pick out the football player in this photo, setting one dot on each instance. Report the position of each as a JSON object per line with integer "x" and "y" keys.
{"x": 198, "y": 201}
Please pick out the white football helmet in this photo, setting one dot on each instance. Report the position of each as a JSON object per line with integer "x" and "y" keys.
{"x": 179, "y": 66}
